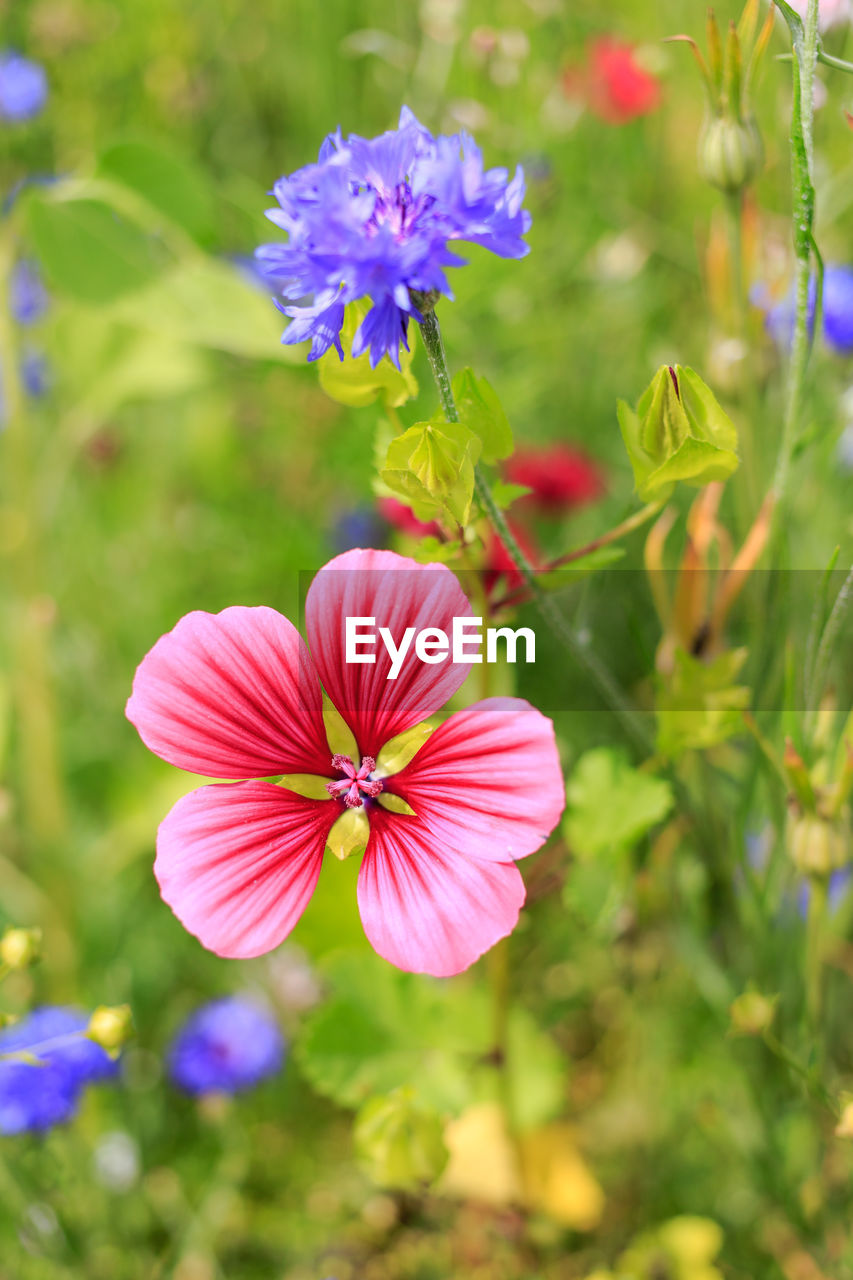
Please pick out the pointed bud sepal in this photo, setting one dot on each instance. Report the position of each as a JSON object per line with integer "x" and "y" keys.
{"x": 678, "y": 431}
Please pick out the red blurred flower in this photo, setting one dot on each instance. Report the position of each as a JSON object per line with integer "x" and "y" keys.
{"x": 499, "y": 566}
{"x": 404, "y": 520}
{"x": 616, "y": 88}
{"x": 559, "y": 478}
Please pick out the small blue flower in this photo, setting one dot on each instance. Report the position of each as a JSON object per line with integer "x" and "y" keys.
{"x": 34, "y": 1097}
{"x": 374, "y": 218}
{"x": 35, "y": 372}
{"x": 27, "y": 294}
{"x": 23, "y": 87}
{"x": 225, "y": 1046}
{"x": 837, "y": 311}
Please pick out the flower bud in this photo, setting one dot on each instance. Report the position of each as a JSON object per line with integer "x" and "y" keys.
{"x": 678, "y": 431}
{"x": 816, "y": 844}
{"x": 731, "y": 152}
{"x": 400, "y": 1141}
{"x": 752, "y": 1013}
{"x": 19, "y": 948}
{"x": 110, "y": 1026}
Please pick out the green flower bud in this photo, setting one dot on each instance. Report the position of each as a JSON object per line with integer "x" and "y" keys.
{"x": 752, "y": 1013}
{"x": 678, "y": 431}
{"x": 731, "y": 153}
{"x": 110, "y": 1027}
{"x": 400, "y": 1141}
{"x": 817, "y": 845}
{"x": 19, "y": 948}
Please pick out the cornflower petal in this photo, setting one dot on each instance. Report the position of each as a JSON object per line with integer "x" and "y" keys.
{"x": 398, "y": 593}
{"x": 238, "y": 863}
{"x": 487, "y": 782}
{"x": 231, "y": 695}
{"x": 428, "y": 909}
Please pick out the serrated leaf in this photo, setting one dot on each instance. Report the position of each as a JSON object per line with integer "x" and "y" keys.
{"x": 481, "y": 412}
{"x": 352, "y": 382}
{"x": 383, "y": 1028}
{"x": 611, "y": 805}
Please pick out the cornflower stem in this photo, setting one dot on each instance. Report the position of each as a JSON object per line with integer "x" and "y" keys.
{"x": 815, "y": 921}
{"x": 41, "y": 775}
{"x": 802, "y": 156}
{"x": 592, "y": 667}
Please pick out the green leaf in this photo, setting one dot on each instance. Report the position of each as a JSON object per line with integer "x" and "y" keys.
{"x": 699, "y": 705}
{"x": 209, "y": 303}
{"x": 382, "y": 1029}
{"x": 432, "y": 466}
{"x": 351, "y": 381}
{"x": 612, "y": 805}
{"x": 431, "y": 550}
{"x": 169, "y": 183}
{"x": 481, "y": 412}
{"x": 89, "y": 251}
{"x": 506, "y": 494}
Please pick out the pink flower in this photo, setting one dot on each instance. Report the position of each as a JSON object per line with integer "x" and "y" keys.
{"x": 238, "y": 695}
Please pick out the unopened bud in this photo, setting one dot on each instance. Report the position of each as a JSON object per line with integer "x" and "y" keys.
{"x": 400, "y": 1141}
{"x": 110, "y": 1026}
{"x": 817, "y": 845}
{"x": 19, "y": 948}
{"x": 752, "y": 1013}
{"x": 844, "y": 1128}
{"x": 731, "y": 153}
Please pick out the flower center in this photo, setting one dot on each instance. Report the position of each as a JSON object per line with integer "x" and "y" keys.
{"x": 397, "y": 209}
{"x": 354, "y": 784}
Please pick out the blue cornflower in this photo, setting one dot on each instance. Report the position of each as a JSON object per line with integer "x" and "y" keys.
{"x": 839, "y": 883}
{"x": 27, "y": 294}
{"x": 373, "y": 218}
{"x": 34, "y": 1096}
{"x": 225, "y": 1046}
{"x": 23, "y": 87}
{"x": 837, "y": 309}
{"x": 360, "y": 527}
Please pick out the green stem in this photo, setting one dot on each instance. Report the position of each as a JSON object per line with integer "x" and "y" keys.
{"x": 41, "y": 775}
{"x": 818, "y": 895}
{"x": 592, "y": 667}
{"x": 802, "y": 151}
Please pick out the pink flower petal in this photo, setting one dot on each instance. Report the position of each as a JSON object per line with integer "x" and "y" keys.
{"x": 398, "y": 593}
{"x": 427, "y": 908}
{"x": 488, "y": 782}
{"x": 231, "y": 695}
{"x": 238, "y": 862}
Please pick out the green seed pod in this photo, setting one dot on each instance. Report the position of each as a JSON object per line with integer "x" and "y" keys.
{"x": 817, "y": 845}
{"x": 400, "y": 1141}
{"x": 731, "y": 153}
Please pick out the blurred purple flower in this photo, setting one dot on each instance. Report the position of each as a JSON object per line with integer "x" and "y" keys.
{"x": 225, "y": 1046}
{"x": 36, "y": 1096}
{"x": 23, "y": 87}
{"x": 35, "y": 372}
{"x": 839, "y": 883}
{"x": 27, "y": 295}
{"x": 373, "y": 218}
{"x": 837, "y": 311}
{"x": 360, "y": 527}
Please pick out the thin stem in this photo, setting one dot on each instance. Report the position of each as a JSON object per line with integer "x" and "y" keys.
{"x": 818, "y": 896}
{"x": 591, "y": 666}
{"x": 802, "y": 150}
{"x": 41, "y": 776}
